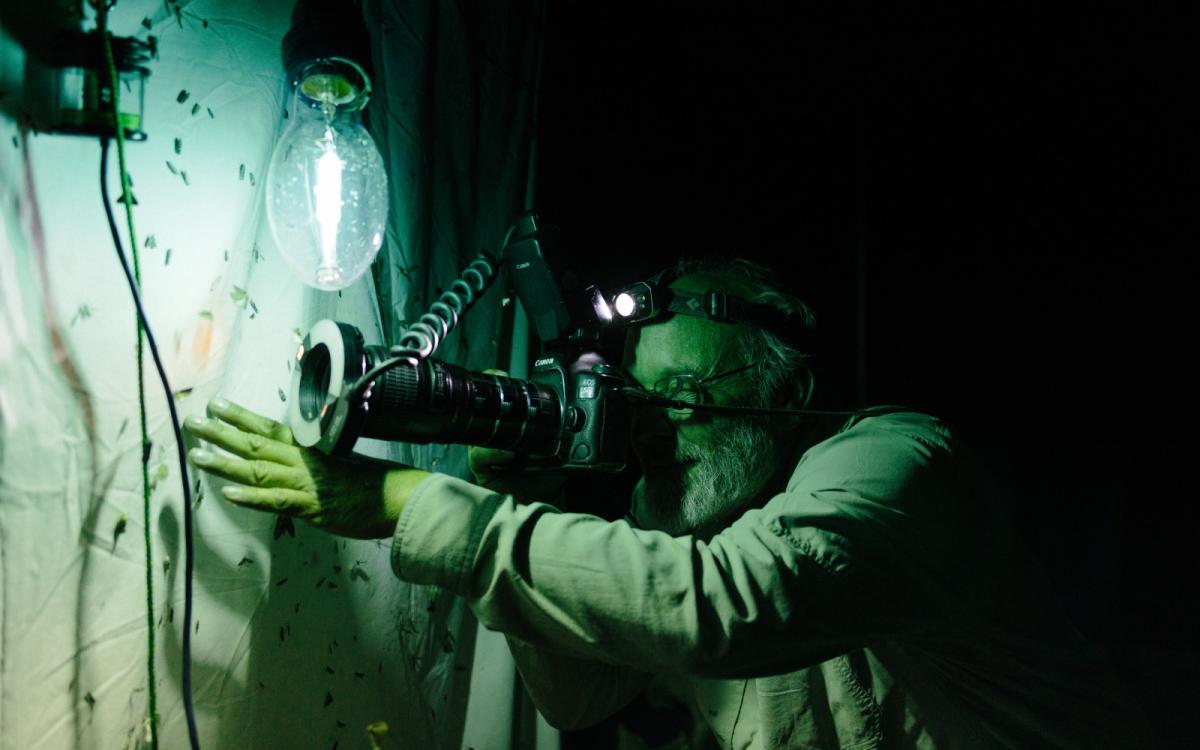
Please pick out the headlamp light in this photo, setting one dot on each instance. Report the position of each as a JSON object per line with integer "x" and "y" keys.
{"x": 635, "y": 303}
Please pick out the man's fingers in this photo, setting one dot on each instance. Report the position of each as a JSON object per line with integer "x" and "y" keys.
{"x": 246, "y": 420}
{"x": 273, "y": 499}
{"x": 249, "y": 445}
{"x": 257, "y": 472}
{"x": 485, "y": 461}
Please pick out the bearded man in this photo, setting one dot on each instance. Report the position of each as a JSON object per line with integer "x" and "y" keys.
{"x": 808, "y": 581}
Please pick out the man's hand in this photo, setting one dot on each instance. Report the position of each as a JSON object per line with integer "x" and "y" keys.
{"x": 352, "y": 497}
{"x": 494, "y": 468}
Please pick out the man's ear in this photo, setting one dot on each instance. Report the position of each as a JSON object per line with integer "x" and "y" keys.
{"x": 799, "y": 392}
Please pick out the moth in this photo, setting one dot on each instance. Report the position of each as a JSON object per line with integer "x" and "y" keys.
{"x": 119, "y": 529}
{"x": 283, "y": 524}
{"x": 83, "y": 313}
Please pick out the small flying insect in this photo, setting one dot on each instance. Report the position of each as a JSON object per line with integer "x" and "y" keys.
{"x": 283, "y": 524}
{"x": 119, "y": 529}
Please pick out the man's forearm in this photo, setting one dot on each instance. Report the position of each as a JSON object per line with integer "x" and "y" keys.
{"x": 398, "y": 486}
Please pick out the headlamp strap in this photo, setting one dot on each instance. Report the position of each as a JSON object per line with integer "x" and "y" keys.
{"x": 723, "y": 308}
{"x": 726, "y": 308}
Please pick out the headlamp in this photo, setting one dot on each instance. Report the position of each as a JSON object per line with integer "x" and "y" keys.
{"x": 651, "y": 299}
{"x": 635, "y": 303}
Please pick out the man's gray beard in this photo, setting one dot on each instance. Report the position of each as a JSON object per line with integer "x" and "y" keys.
{"x": 725, "y": 476}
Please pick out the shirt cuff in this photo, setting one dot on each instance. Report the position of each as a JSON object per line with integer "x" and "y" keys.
{"x": 439, "y": 531}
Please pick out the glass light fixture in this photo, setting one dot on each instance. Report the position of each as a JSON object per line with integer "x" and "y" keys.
{"x": 326, "y": 183}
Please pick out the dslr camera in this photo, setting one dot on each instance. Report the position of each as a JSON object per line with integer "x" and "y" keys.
{"x": 571, "y": 413}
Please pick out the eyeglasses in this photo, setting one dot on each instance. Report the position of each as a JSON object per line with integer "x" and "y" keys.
{"x": 690, "y": 389}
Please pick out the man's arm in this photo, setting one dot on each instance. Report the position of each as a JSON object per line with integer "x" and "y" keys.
{"x": 362, "y": 498}
{"x": 848, "y": 554}
{"x": 570, "y": 692}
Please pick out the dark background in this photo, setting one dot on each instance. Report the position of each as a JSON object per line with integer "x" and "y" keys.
{"x": 992, "y": 211}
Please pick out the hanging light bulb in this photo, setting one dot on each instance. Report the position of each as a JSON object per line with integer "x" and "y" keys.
{"x": 326, "y": 184}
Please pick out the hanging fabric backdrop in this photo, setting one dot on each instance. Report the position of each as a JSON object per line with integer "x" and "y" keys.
{"x": 299, "y": 639}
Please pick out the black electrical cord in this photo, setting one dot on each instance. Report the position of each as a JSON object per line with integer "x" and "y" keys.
{"x": 672, "y": 403}
{"x": 188, "y": 554}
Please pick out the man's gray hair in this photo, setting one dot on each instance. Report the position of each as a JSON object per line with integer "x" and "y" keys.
{"x": 781, "y": 361}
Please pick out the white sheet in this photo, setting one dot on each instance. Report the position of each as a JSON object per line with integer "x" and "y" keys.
{"x": 299, "y": 641}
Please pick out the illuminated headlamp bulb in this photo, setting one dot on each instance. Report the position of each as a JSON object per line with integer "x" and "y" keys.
{"x": 326, "y": 183}
{"x": 624, "y": 304}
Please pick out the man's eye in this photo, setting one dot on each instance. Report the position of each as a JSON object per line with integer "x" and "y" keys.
{"x": 680, "y": 388}
{"x": 670, "y": 385}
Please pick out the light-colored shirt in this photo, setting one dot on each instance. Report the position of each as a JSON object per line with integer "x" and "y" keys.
{"x": 882, "y": 600}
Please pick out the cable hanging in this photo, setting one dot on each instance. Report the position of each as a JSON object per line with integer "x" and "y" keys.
{"x": 133, "y": 278}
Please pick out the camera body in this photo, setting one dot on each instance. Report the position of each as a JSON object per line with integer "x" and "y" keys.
{"x": 594, "y": 424}
{"x": 571, "y": 413}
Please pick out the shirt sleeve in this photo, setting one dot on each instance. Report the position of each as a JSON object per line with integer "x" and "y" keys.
{"x": 849, "y": 552}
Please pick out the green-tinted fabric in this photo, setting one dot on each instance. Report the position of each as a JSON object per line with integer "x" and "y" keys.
{"x": 881, "y": 600}
{"x": 454, "y": 113}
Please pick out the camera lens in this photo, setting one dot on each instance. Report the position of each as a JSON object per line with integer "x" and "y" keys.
{"x": 437, "y": 402}
{"x": 314, "y": 381}
{"x": 413, "y": 400}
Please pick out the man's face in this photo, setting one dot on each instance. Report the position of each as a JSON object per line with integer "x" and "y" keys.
{"x": 698, "y": 468}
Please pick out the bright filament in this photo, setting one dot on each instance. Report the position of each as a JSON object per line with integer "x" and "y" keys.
{"x": 328, "y": 194}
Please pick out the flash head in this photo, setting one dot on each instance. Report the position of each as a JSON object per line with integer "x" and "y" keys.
{"x": 329, "y": 362}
